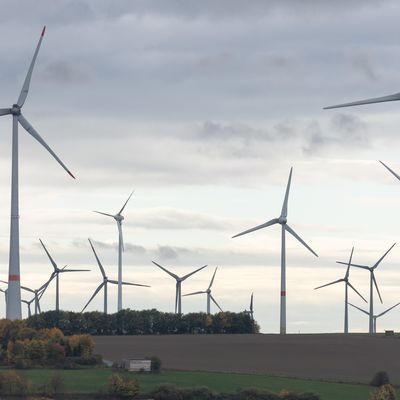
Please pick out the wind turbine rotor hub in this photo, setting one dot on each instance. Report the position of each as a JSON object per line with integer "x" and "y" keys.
{"x": 282, "y": 220}
{"x": 15, "y": 109}
{"x": 119, "y": 217}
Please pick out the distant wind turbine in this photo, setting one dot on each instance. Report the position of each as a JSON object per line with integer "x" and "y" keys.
{"x": 347, "y": 284}
{"x": 209, "y": 295}
{"x": 28, "y": 303}
{"x": 118, "y": 219}
{"x": 14, "y": 305}
{"x": 178, "y": 290}
{"x": 105, "y": 282}
{"x": 55, "y": 274}
{"x": 374, "y": 317}
{"x": 251, "y": 310}
{"x": 282, "y": 220}
{"x": 372, "y": 283}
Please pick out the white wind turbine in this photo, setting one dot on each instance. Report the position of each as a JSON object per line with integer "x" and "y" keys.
{"x": 105, "y": 282}
{"x": 282, "y": 220}
{"x": 383, "y": 99}
{"x": 55, "y": 274}
{"x": 347, "y": 284}
{"x": 118, "y": 219}
{"x": 178, "y": 290}
{"x": 375, "y": 317}
{"x": 14, "y": 288}
{"x": 251, "y": 309}
{"x": 209, "y": 295}
{"x": 372, "y": 283}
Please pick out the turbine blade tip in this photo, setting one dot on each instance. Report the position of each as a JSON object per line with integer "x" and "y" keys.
{"x": 43, "y": 31}
{"x": 70, "y": 174}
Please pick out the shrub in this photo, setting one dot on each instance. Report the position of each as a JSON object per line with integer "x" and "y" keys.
{"x": 384, "y": 392}
{"x": 122, "y": 386}
{"x": 201, "y": 393}
{"x": 54, "y": 386}
{"x": 255, "y": 394}
{"x": 11, "y": 382}
{"x": 166, "y": 392}
{"x": 155, "y": 364}
{"x": 379, "y": 379}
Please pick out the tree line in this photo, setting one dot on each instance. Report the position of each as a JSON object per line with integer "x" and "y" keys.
{"x": 146, "y": 322}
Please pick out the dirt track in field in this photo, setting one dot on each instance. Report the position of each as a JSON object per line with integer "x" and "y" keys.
{"x": 353, "y": 358}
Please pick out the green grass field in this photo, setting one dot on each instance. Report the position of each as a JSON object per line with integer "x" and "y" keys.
{"x": 93, "y": 380}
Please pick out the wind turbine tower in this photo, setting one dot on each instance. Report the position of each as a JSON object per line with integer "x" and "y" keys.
{"x": 347, "y": 284}
{"x": 282, "y": 220}
{"x": 118, "y": 219}
{"x": 14, "y": 286}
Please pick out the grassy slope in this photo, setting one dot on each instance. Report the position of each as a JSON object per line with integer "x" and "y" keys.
{"x": 92, "y": 380}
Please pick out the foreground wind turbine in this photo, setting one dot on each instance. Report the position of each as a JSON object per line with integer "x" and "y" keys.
{"x": 282, "y": 220}
{"x": 375, "y": 317}
{"x": 118, "y": 219}
{"x": 14, "y": 294}
{"x": 105, "y": 282}
{"x": 55, "y": 274}
{"x": 209, "y": 295}
{"x": 346, "y": 294}
{"x": 178, "y": 290}
{"x": 372, "y": 282}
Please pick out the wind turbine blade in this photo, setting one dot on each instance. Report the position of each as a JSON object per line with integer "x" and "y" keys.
{"x": 376, "y": 286}
{"x": 392, "y": 97}
{"x": 391, "y": 308}
{"x": 164, "y": 269}
{"x": 75, "y": 270}
{"x": 330, "y": 283}
{"x": 348, "y": 283}
{"x": 191, "y": 294}
{"x": 354, "y": 265}
{"x": 215, "y": 302}
{"x": 212, "y": 279}
{"x": 256, "y": 228}
{"x": 349, "y": 264}
{"x": 31, "y": 130}
{"x": 285, "y": 201}
{"x": 176, "y": 297}
{"x": 292, "y": 232}
{"x": 27, "y": 289}
{"x": 390, "y": 170}
{"x": 120, "y": 237}
{"x": 5, "y": 111}
{"x": 128, "y": 283}
{"x": 93, "y": 295}
{"x": 98, "y": 260}
{"x": 25, "y": 86}
{"x": 379, "y": 261}
{"x": 251, "y": 303}
{"x": 193, "y": 272}
{"x": 102, "y": 213}
{"x": 360, "y": 309}
{"x": 122, "y": 209}
{"x": 53, "y": 263}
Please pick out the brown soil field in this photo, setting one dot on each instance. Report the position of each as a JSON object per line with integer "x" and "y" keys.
{"x": 335, "y": 357}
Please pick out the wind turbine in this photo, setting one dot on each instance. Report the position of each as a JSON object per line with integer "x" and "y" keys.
{"x": 14, "y": 305}
{"x": 372, "y": 282}
{"x": 55, "y": 274}
{"x": 392, "y": 97}
{"x": 178, "y": 290}
{"x": 28, "y": 303}
{"x": 346, "y": 294}
{"x": 375, "y": 317}
{"x": 209, "y": 295}
{"x": 282, "y": 220}
{"x": 105, "y": 282}
{"x": 251, "y": 311}
{"x": 118, "y": 219}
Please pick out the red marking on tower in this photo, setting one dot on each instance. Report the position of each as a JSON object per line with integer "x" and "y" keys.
{"x": 43, "y": 31}
{"x": 13, "y": 278}
{"x": 283, "y": 293}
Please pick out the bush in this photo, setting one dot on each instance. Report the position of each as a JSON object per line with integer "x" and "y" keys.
{"x": 122, "y": 386}
{"x": 54, "y": 386}
{"x": 155, "y": 364}
{"x": 384, "y": 392}
{"x": 255, "y": 394}
{"x": 166, "y": 392}
{"x": 201, "y": 393}
{"x": 380, "y": 378}
{"x": 11, "y": 382}
{"x": 287, "y": 395}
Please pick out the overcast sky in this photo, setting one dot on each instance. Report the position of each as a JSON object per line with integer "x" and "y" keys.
{"x": 202, "y": 108}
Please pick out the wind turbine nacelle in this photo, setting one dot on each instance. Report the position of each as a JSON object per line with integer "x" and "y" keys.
{"x": 15, "y": 109}
{"x": 282, "y": 220}
{"x": 119, "y": 217}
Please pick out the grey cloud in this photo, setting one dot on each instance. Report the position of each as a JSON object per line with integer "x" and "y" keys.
{"x": 65, "y": 72}
{"x": 129, "y": 247}
{"x": 362, "y": 63}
